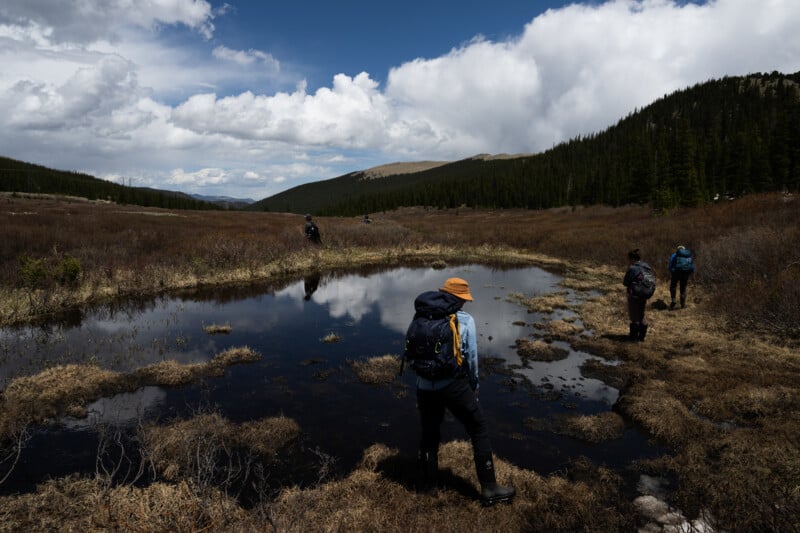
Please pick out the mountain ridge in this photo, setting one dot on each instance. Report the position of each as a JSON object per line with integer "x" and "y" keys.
{"x": 734, "y": 135}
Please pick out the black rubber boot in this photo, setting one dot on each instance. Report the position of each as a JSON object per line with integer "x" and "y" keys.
{"x": 683, "y": 301}
{"x": 642, "y": 331}
{"x": 429, "y": 466}
{"x": 491, "y": 492}
{"x": 634, "y": 331}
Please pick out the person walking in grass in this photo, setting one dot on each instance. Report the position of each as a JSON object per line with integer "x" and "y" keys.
{"x": 641, "y": 284}
{"x": 312, "y": 231}
{"x": 681, "y": 267}
{"x": 441, "y": 345}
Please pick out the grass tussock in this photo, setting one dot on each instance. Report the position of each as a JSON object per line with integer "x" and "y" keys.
{"x": 591, "y": 428}
{"x": 79, "y": 504}
{"x": 541, "y": 504}
{"x": 65, "y": 390}
{"x": 546, "y": 303}
{"x": 561, "y": 329}
{"x": 379, "y": 495}
{"x": 379, "y": 370}
{"x": 330, "y": 338}
{"x": 185, "y": 447}
{"x": 217, "y": 329}
{"x": 536, "y": 350}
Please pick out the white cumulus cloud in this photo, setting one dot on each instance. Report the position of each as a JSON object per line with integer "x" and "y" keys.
{"x": 90, "y": 85}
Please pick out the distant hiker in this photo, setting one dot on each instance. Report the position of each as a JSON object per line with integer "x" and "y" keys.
{"x": 312, "y": 231}
{"x": 441, "y": 347}
{"x": 681, "y": 266}
{"x": 641, "y": 284}
{"x": 367, "y": 219}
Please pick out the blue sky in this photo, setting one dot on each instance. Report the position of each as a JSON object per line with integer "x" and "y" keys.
{"x": 249, "y": 98}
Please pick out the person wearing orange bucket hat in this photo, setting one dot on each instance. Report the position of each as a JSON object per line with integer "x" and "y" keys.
{"x": 442, "y": 348}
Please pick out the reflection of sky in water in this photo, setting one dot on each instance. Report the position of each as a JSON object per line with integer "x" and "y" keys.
{"x": 352, "y": 306}
{"x": 120, "y": 409}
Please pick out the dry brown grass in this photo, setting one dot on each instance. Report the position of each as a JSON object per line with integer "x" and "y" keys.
{"x": 728, "y": 405}
{"x": 183, "y": 449}
{"x": 718, "y": 381}
{"x": 216, "y": 329}
{"x": 379, "y": 495}
{"x": 377, "y": 370}
{"x": 541, "y": 504}
{"x": 66, "y": 390}
{"x": 546, "y": 303}
{"x": 591, "y": 428}
{"x": 76, "y": 504}
{"x": 536, "y": 350}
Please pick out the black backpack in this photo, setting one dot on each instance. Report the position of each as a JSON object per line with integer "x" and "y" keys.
{"x": 433, "y": 339}
{"x": 643, "y": 284}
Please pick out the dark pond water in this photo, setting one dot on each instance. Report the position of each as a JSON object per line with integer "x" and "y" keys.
{"x": 309, "y": 380}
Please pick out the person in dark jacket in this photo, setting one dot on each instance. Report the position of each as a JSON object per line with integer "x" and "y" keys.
{"x": 457, "y": 394}
{"x": 312, "y": 231}
{"x": 636, "y": 304}
{"x": 681, "y": 267}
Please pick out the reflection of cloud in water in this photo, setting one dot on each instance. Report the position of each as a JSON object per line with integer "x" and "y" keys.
{"x": 172, "y": 329}
{"x": 121, "y": 409}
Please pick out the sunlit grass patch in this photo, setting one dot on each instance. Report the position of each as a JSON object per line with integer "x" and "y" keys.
{"x": 80, "y": 504}
{"x": 377, "y": 370}
{"x": 653, "y": 405}
{"x": 331, "y": 338}
{"x": 545, "y": 303}
{"x": 216, "y": 329}
{"x": 536, "y": 350}
{"x": 562, "y": 330}
{"x": 169, "y": 373}
{"x": 236, "y": 355}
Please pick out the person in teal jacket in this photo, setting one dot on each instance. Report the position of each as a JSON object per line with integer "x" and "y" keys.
{"x": 681, "y": 267}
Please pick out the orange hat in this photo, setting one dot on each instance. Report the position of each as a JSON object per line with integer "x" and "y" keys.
{"x": 457, "y": 287}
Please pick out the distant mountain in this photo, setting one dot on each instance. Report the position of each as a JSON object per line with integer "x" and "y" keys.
{"x": 225, "y": 201}
{"x": 22, "y": 177}
{"x": 730, "y": 136}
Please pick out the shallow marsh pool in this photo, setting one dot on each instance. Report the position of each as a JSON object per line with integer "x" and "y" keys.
{"x": 309, "y": 380}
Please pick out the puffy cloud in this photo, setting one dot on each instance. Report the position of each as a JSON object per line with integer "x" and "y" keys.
{"x": 92, "y": 80}
{"x": 85, "y": 21}
{"x": 351, "y": 114}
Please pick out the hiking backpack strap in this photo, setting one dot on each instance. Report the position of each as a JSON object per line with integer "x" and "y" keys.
{"x": 454, "y": 327}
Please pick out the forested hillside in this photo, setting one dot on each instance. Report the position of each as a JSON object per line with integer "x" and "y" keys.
{"x": 18, "y": 176}
{"x": 730, "y": 136}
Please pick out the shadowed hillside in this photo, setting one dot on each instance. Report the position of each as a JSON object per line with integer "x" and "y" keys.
{"x": 724, "y": 137}
{"x": 21, "y": 177}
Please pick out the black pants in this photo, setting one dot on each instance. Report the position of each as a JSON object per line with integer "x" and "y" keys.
{"x": 679, "y": 277}
{"x": 460, "y": 400}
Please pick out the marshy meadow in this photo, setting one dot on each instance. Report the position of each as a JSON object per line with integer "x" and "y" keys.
{"x": 711, "y": 398}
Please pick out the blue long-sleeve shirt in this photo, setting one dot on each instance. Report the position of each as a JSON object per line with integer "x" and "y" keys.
{"x": 469, "y": 352}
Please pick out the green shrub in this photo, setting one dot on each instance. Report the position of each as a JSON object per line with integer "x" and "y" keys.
{"x": 32, "y": 272}
{"x": 70, "y": 270}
